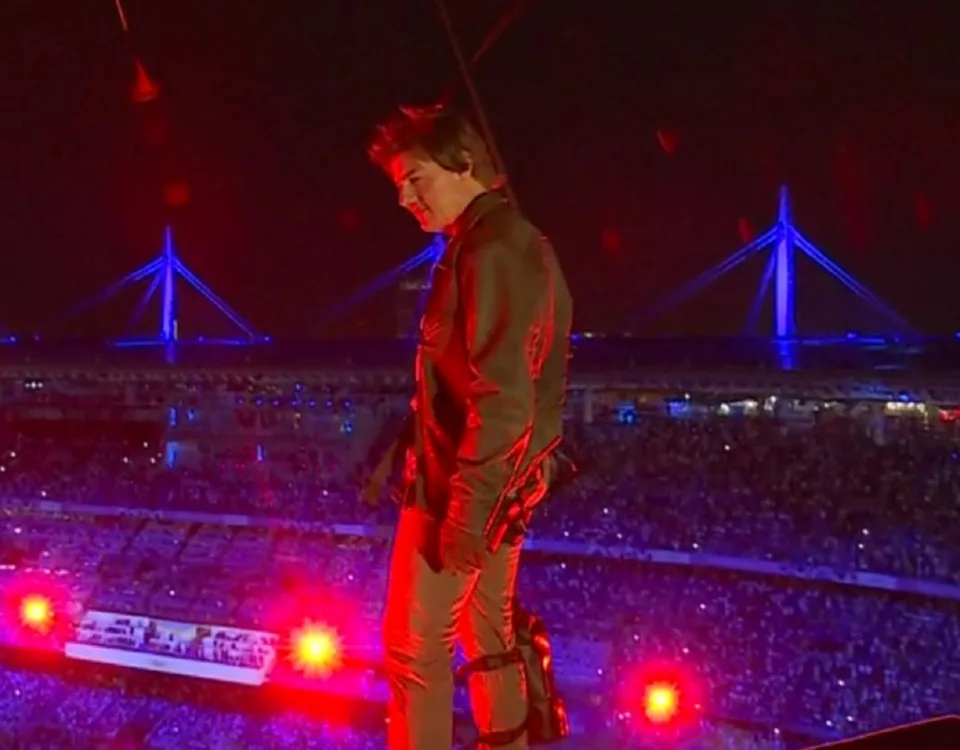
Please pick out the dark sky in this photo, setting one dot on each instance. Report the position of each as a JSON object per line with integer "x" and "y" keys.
{"x": 856, "y": 105}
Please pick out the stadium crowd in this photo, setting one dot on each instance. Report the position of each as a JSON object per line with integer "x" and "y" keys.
{"x": 103, "y": 713}
{"x": 625, "y": 564}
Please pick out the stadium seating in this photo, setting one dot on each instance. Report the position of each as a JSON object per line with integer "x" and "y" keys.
{"x": 801, "y": 569}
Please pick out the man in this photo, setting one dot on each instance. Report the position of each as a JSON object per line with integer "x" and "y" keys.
{"x": 491, "y": 377}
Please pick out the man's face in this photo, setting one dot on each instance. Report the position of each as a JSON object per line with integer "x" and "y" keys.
{"x": 434, "y": 195}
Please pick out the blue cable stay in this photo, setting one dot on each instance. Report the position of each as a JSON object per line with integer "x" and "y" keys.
{"x": 429, "y": 255}
{"x": 166, "y": 270}
{"x": 782, "y": 240}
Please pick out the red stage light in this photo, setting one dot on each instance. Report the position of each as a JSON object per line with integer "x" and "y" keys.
{"x": 661, "y": 702}
{"x": 611, "y": 241}
{"x": 176, "y": 194}
{"x": 144, "y": 89}
{"x": 36, "y": 612}
{"x": 316, "y": 649}
{"x": 669, "y": 141}
{"x": 663, "y": 697}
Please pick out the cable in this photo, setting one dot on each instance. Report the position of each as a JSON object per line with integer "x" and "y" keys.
{"x": 475, "y": 97}
{"x": 123, "y": 16}
{"x": 498, "y": 30}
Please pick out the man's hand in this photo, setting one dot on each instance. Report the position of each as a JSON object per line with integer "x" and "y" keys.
{"x": 461, "y": 549}
{"x": 372, "y": 489}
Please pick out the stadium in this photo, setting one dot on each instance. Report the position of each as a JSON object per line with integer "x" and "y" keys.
{"x": 760, "y": 550}
{"x": 756, "y": 557}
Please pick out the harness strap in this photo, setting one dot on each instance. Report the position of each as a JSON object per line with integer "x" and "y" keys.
{"x": 506, "y": 737}
{"x": 491, "y": 663}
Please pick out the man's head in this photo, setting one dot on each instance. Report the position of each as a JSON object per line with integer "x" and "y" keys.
{"x": 437, "y": 160}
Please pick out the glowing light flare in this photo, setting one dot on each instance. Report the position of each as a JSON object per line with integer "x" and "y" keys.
{"x": 669, "y": 141}
{"x": 611, "y": 241}
{"x": 36, "y": 612}
{"x": 316, "y": 649}
{"x": 923, "y": 211}
{"x": 661, "y": 702}
{"x": 176, "y": 194}
{"x": 144, "y": 89}
{"x": 662, "y": 696}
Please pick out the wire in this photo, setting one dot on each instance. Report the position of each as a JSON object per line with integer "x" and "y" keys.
{"x": 475, "y": 97}
{"x": 498, "y": 30}
{"x": 123, "y": 16}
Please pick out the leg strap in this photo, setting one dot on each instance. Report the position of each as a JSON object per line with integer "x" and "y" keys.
{"x": 499, "y": 739}
{"x": 491, "y": 663}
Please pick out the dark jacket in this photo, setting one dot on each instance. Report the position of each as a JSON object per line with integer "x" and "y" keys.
{"x": 491, "y": 365}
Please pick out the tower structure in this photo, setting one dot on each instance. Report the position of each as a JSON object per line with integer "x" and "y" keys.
{"x": 411, "y": 279}
{"x": 783, "y": 242}
{"x": 165, "y": 273}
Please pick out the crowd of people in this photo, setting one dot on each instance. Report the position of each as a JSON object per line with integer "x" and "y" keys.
{"x": 94, "y": 714}
{"x": 105, "y": 715}
{"x": 829, "y": 492}
{"x": 660, "y": 552}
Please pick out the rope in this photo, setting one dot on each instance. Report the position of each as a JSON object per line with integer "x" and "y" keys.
{"x": 123, "y": 16}
{"x": 481, "y": 114}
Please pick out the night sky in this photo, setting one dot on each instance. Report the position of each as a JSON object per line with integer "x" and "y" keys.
{"x": 265, "y": 108}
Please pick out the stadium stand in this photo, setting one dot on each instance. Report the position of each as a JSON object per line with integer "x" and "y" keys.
{"x": 790, "y": 564}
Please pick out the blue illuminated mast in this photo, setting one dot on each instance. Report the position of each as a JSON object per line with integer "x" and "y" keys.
{"x": 783, "y": 240}
{"x": 167, "y": 268}
{"x": 168, "y": 311}
{"x": 785, "y": 296}
{"x": 164, "y": 272}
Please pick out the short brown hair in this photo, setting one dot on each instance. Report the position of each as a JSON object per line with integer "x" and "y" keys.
{"x": 441, "y": 133}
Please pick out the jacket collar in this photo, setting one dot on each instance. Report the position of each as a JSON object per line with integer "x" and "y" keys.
{"x": 476, "y": 210}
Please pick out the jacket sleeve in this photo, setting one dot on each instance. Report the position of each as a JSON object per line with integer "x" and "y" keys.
{"x": 500, "y": 289}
